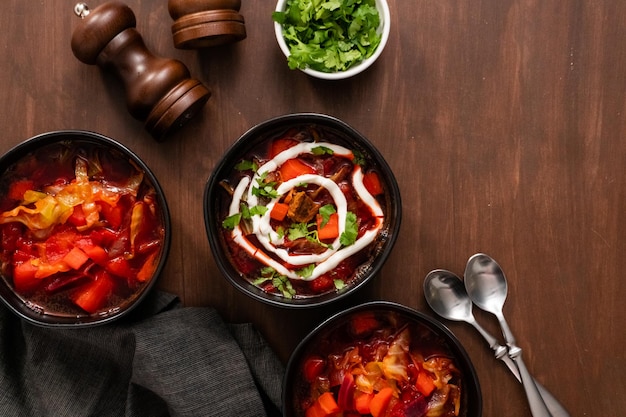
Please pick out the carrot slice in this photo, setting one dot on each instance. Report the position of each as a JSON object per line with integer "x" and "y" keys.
{"x": 279, "y": 211}
{"x": 380, "y": 401}
{"x": 328, "y": 404}
{"x": 362, "y": 403}
{"x": 330, "y": 230}
{"x": 93, "y": 296}
{"x": 75, "y": 258}
{"x": 424, "y": 383}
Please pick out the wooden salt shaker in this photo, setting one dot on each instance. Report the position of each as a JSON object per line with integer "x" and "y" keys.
{"x": 205, "y": 23}
{"x": 159, "y": 91}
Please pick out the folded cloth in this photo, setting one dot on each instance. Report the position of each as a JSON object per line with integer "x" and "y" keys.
{"x": 161, "y": 360}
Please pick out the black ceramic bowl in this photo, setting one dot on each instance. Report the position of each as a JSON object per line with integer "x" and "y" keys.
{"x": 281, "y": 284}
{"x": 112, "y": 199}
{"x": 363, "y": 327}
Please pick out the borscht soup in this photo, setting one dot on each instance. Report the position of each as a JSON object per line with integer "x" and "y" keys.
{"x": 82, "y": 229}
{"x": 303, "y": 212}
{"x": 379, "y": 360}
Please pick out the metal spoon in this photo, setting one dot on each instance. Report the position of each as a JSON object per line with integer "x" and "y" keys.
{"x": 446, "y": 295}
{"x": 487, "y": 287}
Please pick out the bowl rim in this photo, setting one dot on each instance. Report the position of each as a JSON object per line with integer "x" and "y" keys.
{"x": 385, "y": 30}
{"x": 240, "y": 146}
{"x": 16, "y": 304}
{"x": 434, "y": 324}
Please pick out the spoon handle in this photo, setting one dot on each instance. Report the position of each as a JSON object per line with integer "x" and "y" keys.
{"x": 501, "y": 353}
{"x": 538, "y": 407}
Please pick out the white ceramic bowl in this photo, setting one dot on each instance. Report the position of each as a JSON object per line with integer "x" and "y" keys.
{"x": 384, "y": 28}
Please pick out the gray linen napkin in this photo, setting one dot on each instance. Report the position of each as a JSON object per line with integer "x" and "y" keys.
{"x": 161, "y": 360}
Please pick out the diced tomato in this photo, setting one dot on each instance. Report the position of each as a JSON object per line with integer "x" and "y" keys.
{"x": 363, "y": 324}
{"x": 103, "y": 237}
{"x": 11, "y": 233}
{"x": 24, "y": 279}
{"x": 120, "y": 267}
{"x": 372, "y": 183}
{"x": 78, "y": 216}
{"x": 112, "y": 214}
{"x": 330, "y": 230}
{"x": 18, "y": 188}
{"x": 93, "y": 295}
{"x": 321, "y": 284}
{"x": 279, "y": 211}
{"x": 313, "y": 368}
{"x": 280, "y": 145}
{"x": 293, "y": 168}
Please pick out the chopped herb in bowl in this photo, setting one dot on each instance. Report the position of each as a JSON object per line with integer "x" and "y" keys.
{"x": 330, "y": 36}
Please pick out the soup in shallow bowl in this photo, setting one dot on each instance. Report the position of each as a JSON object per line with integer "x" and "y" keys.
{"x": 84, "y": 229}
{"x": 301, "y": 211}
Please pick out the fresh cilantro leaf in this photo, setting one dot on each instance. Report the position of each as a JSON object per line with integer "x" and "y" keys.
{"x": 306, "y": 271}
{"x": 359, "y": 159}
{"x": 339, "y": 284}
{"x": 348, "y": 237}
{"x": 322, "y": 150}
{"x": 231, "y": 221}
{"x": 265, "y": 189}
{"x": 297, "y": 231}
{"x": 258, "y": 210}
{"x": 244, "y": 165}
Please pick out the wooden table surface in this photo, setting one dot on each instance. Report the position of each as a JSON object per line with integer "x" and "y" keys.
{"x": 504, "y": 122}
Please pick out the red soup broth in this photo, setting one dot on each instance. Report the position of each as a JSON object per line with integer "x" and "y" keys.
{"x": 298, "y": 197}
{"x": 81, "y": 230}
{"x": 376, "y": 363}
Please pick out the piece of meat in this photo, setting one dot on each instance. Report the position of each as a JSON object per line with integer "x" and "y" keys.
{"x": 302, "y": 208}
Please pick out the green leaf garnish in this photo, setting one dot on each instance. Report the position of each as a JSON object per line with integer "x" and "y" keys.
{"x": 322, "y": 150}
{"x": 306, "y": 271}
{"x": 331, "y": 35}
{"x": 339, "y": 284}
{"x": 265, "y": 189}
{"x": 348, "y": 237}
{"x": 231, "y": 221}
{"x": 244, "y": 165}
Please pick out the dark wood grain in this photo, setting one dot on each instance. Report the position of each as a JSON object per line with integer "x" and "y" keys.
{"x": 504, "y": 122}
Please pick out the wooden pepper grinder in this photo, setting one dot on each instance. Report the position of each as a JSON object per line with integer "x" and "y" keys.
{"x": 205, "y": 23}
{"x": 159, "y": 91}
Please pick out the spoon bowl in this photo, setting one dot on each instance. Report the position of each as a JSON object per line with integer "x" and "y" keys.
{"x": 445, "y": 294}
{"x": 485, "y": 283}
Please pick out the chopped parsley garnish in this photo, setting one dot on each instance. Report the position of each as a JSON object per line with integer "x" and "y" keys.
{"x": 231, "y": 221}
{"x": 329, "y": 36}
{"x": 246, "y": 166}
{"x": 281, "y": 282}
{"x": 322, "y": 150}
{"x": 265, "y": 189}
{"x": 348, "y": 237}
